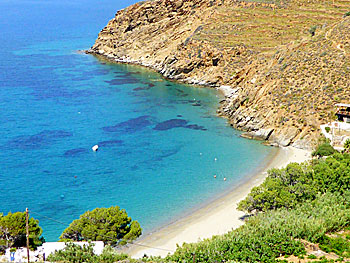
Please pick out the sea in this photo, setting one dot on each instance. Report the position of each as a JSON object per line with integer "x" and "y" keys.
{"x": 160, "y": 142}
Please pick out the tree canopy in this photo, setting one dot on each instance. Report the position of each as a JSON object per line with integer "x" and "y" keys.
{"x": 110, "y": 225}
{"x": 13, "y": 230}
{"x": 272, "y": 234}
{"x": 297, "y": 182}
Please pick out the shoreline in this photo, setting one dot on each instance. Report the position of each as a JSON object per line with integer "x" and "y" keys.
{"x": 155, "y": 68}
{"x": 215, "y": 218}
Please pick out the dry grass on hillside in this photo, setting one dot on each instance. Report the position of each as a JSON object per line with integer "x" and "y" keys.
{"x": 263, "y": 25}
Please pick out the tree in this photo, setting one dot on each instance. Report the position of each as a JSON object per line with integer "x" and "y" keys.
{"x": 282, "y": 188}
{"x": 324, "y": 149}
{"x": 299, "y": 182}
{"x": 13, "y": 230}
{"x": 110, "y": 225}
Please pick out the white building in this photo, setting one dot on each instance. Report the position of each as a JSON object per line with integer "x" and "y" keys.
{"x": 338, "y": 131}
{"x": 46, "y": 249}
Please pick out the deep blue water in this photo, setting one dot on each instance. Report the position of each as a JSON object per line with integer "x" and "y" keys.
{"x": 158, "y": 140}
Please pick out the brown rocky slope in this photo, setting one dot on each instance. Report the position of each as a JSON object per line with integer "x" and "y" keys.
{"x": 286, "y": 62}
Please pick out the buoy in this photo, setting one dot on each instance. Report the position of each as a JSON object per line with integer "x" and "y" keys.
{"x": 95, "y": 148}
{"x": 75, "y": 177}
{"x": 62, "y": 196}
{"x": 200, "y": 153}
{"x": 224, "y": 178}
{"x": 215, "y": 159}
{"x": 214, "y": 175}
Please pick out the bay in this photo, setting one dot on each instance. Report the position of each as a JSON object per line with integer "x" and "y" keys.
{"x": 161, "y": 143}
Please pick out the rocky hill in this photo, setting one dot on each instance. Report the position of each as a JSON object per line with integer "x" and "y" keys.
{"x": 284, "y": 64}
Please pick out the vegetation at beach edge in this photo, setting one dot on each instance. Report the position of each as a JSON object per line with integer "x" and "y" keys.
{"x": 295, "y": 206}
{"x": 85, "y": 253}
{"x": 300, "y": 203}
{"x": 111, "y": 225}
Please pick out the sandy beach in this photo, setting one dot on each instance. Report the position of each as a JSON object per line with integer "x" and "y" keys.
{"x": 217, "y": 217}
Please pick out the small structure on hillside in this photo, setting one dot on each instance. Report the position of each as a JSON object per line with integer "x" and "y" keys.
{"x": 343, "y": 112}
{"x": 338, "y": 131}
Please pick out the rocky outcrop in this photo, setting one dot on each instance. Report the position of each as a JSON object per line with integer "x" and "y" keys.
{"x": 293, "y": 92}
{"x": 150, "y": 32}
{"x": 280, "y": 80}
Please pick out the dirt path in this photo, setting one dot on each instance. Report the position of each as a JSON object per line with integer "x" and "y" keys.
{"x": 336, "y": 44}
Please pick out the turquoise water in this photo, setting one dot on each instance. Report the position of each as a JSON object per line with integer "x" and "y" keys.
{"x": 158, "y": 140}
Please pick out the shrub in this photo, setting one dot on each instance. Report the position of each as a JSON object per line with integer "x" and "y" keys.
{"x": 110, "y": 255}
{"x": 85, "y": 253}
{"x": 312, "y": 30}
{"x": 298, "y": 182}
{"x": 338, "y": 245}
{"x": 346, "y": 14}
{"x": 282, "y": 188}
{"x": 324, "y": 149}
{"x": 328, "y": 129}
{"x": 332, "y": 174}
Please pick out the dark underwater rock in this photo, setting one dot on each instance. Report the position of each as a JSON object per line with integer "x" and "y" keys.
{"x": 75, "y": 152}
{"x": 130, "y": 125}
{"x": 38, "y": 140}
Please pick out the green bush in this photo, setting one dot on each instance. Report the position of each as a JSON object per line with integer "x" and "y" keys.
{"x": 311, "y": 256}
{"x": 312, "y": 30}
{"x": 282, "y": 188}
{"x": 328, "y": 129}
{"x": 75, "y": 253}
{"x": 338, "y": 245}
{"x": 110, "y": 255}
{"x": 332, "y": 174}
{"x": 347, "y": 14}
{"x": 298, "y": 182}
{"x": 324, "y": 149}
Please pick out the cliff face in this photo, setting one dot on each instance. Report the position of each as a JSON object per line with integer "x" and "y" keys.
{"x": 149, "y": 32}
{"x": 285, "y": 98}
{"x": 284, "y": 64}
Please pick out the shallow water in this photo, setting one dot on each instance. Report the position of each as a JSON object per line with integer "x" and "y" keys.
{"x": 160, "y": 142}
